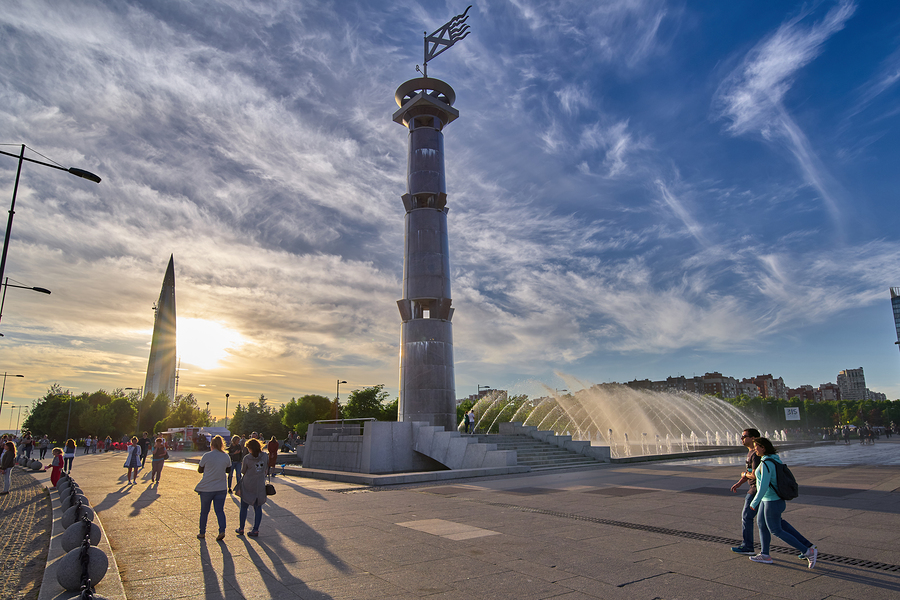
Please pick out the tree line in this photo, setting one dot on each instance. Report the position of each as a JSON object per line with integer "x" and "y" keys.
{"x": 117, "y": 413}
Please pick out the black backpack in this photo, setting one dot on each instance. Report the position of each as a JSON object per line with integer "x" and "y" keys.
{"x": 787, "y": 488}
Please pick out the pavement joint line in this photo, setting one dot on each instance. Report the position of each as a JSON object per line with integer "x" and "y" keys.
{"x": 843, "y": 560}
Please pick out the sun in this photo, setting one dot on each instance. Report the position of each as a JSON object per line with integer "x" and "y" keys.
{"x": 204, "y": 343}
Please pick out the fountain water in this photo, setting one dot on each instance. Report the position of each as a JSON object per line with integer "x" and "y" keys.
{"x": 611, "y": 407}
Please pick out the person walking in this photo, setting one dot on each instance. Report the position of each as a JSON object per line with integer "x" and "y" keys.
{"x": 771, "y": 506}
{"x": 27, "y": 444}
{"x": 160, "y": 454}
{"x": 214, "y": 465}
{"x": 236, "y": 454}
{"x": 133, "y": 459}
{"x": 273, "y": 455}
{"x": 253, "y": 486}
{"x": 43, "y": 446}
{"x": 87, "y": 445}
{"x": 470, "y": 421}
{"x": 748, "y": 439}
{"x": 7, "y": 460}
{"x": 145, "y": 448}
{"x": 68, "y": 455}
{"x": 108, "y": 445}
{"x": 56, "y": 466}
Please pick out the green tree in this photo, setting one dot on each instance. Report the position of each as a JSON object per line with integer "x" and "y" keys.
{"x": 366, "y": 403}
{"x": 185, "y": 412}
{"x": 298, "y": 414}
{"x": 117, "y": 418}
{"x": 153, "y": 409}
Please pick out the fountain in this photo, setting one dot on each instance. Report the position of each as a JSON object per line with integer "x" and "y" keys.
{"x": 629, "y": 412}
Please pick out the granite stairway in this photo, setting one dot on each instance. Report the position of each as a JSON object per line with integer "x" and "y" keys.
{"x": 536, "y": 454}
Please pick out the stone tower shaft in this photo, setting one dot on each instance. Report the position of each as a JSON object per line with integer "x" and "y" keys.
{"x": 427, "y": 382}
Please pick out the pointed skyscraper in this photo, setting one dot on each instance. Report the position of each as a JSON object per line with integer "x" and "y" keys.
{"x": 161, "y": 366}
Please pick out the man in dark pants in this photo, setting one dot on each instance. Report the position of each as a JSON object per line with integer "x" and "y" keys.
{"x": 145, "y": 446}
{"x": 747, "y": 438}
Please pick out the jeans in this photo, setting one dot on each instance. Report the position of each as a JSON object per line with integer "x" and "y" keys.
{"x": 43, "y": 452}
{"x": 235, "y": 468}
{"x": 7, "y": 474}
{"x": 747, "y": 516}
{"x": 217, "y": 499}
{"x": 67, "y": 463}
{"x": 28, "y": 452}
{"x": 770, "y": 522}
{"x": 257, "y": 515}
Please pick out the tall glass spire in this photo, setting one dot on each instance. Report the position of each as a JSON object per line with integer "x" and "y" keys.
{"x": 161, "y": 366}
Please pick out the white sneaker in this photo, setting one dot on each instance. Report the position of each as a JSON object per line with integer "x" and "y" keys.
{"x": 811, "y": 555}
{"x": 762, "y": 558}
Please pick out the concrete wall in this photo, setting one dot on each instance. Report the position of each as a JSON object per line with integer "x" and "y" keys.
{"x": 398, "y": 447}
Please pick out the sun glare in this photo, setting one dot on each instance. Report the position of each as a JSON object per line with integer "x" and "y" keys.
{"x": 204, "y": 343}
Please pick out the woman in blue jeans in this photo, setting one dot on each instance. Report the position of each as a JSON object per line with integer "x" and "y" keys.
{"x": 253, "y": 485}
{"x": 213, "y": 487}
{"x": 771, "y": 505}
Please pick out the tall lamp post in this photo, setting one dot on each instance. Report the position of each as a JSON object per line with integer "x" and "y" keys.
{"x": 337, "y": 398}
{"x": 3, "y": 391}
{"x": 6, "y": 285}
{"x": 18, "y": 417}
{"x": 12, "y": 207}
{"x": 226, "y": 411}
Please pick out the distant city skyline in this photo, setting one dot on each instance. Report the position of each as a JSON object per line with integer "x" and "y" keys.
{"x": 639, "y": 189}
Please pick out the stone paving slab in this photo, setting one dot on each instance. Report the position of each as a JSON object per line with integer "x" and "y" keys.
{"x": 571, "y": 535}
{"x": 25, "y": 523}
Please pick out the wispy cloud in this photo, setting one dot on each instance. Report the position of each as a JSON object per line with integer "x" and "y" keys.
{"x": 752, "y": 97}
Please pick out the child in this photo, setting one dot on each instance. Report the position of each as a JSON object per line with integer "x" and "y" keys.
{"x": 57, "y": 466}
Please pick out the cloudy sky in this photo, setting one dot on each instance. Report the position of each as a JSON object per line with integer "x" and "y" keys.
{"x": 637, "y": 189}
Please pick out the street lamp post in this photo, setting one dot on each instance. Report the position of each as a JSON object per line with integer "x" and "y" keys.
{"x": 226, "y": 410}
{"x": 3, "y": 391}
{"x": 482, "y": 387}
{"x": 6, "y": 285}
{"x": 12, "y": 208}
{"x": 337, "y": 398}
{"x": 69, "y": 420}
{"x": 18, "y": 418}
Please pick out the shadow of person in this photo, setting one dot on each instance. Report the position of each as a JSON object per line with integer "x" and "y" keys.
{"x": 280, "y": 575}
{"x": 212, "y": 588}
{"x": 146, "y": 498}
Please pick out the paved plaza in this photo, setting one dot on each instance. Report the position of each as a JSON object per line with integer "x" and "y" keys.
{"x": 636, "y": 531}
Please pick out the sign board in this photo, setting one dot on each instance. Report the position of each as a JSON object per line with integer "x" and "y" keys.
{"x": 791, "y": 413}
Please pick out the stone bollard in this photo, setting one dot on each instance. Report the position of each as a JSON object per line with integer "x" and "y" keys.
{"x": 63, "y": 484}
{"x": 70, "y": 569}
{"x": 36, "y": 465}
{"x": 74, "y": 513}
{"x": 70, "y": 501}
{"x": 73, "y": 537}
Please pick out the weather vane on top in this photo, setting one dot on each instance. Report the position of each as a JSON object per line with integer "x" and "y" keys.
{"x": 455, "y": 29}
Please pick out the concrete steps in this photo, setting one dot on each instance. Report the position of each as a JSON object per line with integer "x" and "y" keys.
{"x": 536, "y": 454}
{"x": 456, "y": 451}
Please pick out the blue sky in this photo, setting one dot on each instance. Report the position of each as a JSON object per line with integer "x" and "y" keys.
{"x": 637, "y": 188}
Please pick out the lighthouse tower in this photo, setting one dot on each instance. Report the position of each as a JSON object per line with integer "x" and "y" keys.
{"x": 427, "y": 384}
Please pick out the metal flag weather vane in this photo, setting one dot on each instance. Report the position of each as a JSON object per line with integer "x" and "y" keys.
{"x": 443, "y": 37}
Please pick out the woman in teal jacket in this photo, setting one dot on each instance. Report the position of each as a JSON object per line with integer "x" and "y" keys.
{"x": 772, "y": 506}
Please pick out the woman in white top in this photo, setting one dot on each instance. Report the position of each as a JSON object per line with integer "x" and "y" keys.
{"x": 213, "y": 487}
{"x": 133, "y": 459}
